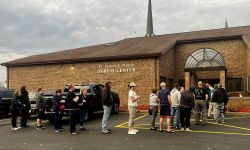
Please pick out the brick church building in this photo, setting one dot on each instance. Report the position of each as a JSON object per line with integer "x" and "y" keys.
{"x": 218, "y": 55}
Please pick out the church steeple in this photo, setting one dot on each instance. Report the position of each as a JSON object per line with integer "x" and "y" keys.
{"x": 226, "y": 23}
{"x": 150, "y": 28}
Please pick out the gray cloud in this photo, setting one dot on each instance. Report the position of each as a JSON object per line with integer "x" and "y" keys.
{"x": 37, "y": 26}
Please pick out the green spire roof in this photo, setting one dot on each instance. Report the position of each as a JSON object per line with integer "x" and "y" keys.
{"x": 150, "y": 28}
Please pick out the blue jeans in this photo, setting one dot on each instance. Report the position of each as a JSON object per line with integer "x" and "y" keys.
{"x": 219, "y": 112}
{"x": 106, "y": 114}
{"x": 175, "y": 112}
{"x": 82, "y": 113}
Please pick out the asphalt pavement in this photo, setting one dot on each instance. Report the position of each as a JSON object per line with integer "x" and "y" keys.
{"x": 233, "y": 135}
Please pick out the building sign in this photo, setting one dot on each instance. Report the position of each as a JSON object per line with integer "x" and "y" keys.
{"x": 116, "y": 68}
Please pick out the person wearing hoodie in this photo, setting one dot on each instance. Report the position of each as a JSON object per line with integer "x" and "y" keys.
{"x": 186, "y": 106}
{"x": 153, "y": 106}
{"x": 15, "y": 108}
{"x": 25, "y": 101}
{"x": 175, "y": 95}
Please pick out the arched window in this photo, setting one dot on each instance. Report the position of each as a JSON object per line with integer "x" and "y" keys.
{"x": 203, "y": 58}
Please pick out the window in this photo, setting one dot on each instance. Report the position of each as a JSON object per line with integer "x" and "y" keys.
{"x": 204, "y": 57}
{"x": 234, "y": 84}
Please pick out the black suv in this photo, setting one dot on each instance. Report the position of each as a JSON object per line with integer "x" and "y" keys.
{"x": 95, "y": 105}
{"x": 6, "y": 96}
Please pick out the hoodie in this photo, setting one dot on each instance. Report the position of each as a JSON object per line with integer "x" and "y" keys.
{"x": 153, "y": 100}
{"x": 175, "y": 97}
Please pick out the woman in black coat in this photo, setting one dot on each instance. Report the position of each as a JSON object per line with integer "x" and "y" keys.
{"x": 25, "y": 101}
{"x": 15, "y": 109}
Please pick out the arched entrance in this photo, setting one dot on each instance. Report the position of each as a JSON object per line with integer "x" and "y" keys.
{"x": 205, "y": 64}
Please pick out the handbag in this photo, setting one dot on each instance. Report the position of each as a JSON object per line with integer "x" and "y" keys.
{"x": 62, "y": 107}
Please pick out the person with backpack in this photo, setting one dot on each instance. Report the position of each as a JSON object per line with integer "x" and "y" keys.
{"x": 201, "y": 97}
{"x": 220, "y": 98}
{"x": 15, "y": 109}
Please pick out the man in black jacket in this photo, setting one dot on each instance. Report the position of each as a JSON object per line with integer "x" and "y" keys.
{"x": 220, "y": 98}
{"x": 186, "y": 105}
{"x": 73, "y": 106}
{"x": 107, "y": 101}
{"x": 25, "y": 101}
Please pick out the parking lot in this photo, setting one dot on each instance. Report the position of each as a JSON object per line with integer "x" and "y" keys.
{"x": 233, "y": 135}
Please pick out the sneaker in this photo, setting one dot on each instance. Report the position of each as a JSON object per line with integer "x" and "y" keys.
{"x": 170, "y": 131}
{"x": 109, "y": 130}
{"x": 106, "y": 132}
{"x": 15, "y": 128}
{"x": 73, "y": 133}
{"x": 135, "y": 130}
{"x": 131, "y": 132}
{"x": 189, "y": 129}
{"x": 182, "y": 129}
{"x": 39, "y": 128}
{"x": 177, "y": 128}
{"x": 153, "y": 128}
{"x": 42, "y": 126}
{"x": 61, "y": 129}
{"x": 83, "y": 129}
{"x": 57, "y": 131}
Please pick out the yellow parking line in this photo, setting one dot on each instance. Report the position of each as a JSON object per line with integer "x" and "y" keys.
{"x": 135, "y": 120}
{"x": 197, "y": 131}
{"x": 231, "y": 126}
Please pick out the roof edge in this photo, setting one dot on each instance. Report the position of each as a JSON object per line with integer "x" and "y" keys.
{"x": 91, "y": 59}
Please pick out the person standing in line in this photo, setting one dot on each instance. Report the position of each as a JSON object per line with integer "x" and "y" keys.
{"x": 165, "y": 107}
{"x": 15, "y": 109}
{"x": 201, "y": 96}
{"x": 186, "y": 106}
{"x": 107, "y": 102}
{"x": 211, "y": 103}
{"x": 73, "y": 106}
{"x": 25, "y": 101}
{"x": 58, "y": 106}
{"x": 220, "y": 98}
{"x": 41, "y": 106}
{"x": 132, "y": 104}
{"x": 153, "y": 106}
{"x": 83, "y": 106}
{"x": 175, "y": 109}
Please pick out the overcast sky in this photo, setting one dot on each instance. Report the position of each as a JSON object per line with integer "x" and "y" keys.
{"x": 29, "y": 27}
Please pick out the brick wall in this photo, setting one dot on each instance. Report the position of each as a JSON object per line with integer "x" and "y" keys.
{"x": 233, "y": 51}
{"x": 51, "y": 77}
